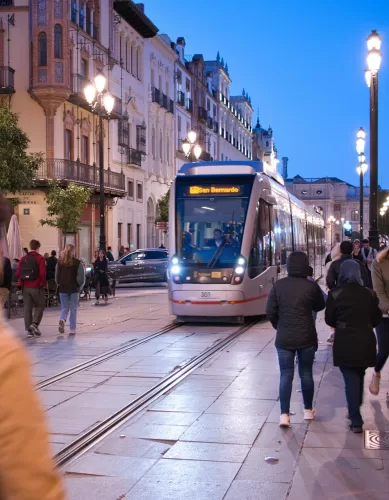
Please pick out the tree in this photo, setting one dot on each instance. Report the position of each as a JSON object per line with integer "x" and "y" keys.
{"x": 65, "y": 207}
{"x": 17, "y": 167}
{"x": 163, "y": 208}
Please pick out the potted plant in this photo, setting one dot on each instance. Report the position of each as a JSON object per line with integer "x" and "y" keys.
{"x": 162, "y": 218}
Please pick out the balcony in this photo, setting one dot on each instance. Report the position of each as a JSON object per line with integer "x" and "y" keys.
{"x": 66, "y": 171}
{"x": 77, "y": 96}
{"x": 202, "y": 114}
{"x": 210, "y": 123}
{"x": 134, "y": 157}
{"x": 7, "y": 85}
{"x": 181, "y": 98}
{"x": 156, "y": 95}
{"x": 164, "y": 102}
{"x": 189, "y": 104}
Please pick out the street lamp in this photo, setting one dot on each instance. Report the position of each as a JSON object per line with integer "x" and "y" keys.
{"x": 361, "y": 170}
{"x": 102, "y": 102}
{"x": 373, "y": 62}
{"x": 191, "y": 149}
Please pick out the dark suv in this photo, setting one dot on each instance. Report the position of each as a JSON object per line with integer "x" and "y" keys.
{"x": 149, "y": 264}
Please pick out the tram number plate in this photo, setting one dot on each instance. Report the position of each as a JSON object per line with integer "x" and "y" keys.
{"x": 205, "y": 295}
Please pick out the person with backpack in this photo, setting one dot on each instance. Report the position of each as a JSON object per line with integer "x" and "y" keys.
{"x": 70, "y": 278}
{"x": 31, "y": 274}
{"x": 290, "y": 307}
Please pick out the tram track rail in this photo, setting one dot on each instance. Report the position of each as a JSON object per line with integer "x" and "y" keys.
{"x": 92, "y": 436}
{"x": 105, "y": 356}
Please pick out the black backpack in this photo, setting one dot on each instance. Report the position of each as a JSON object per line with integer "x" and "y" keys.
{"x": 29, "y": 268}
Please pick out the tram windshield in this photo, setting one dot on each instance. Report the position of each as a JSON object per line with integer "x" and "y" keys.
{"x": 210, "y": 218}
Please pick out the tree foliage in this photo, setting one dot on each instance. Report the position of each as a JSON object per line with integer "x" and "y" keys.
{"x": 163, "y": 208}
{"x": 17, "y": 167}
{"x": 65, "y": 207}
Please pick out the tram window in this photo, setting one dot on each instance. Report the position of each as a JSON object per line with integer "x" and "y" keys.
{"x": 283, "y": 232}
{"x": 260, "y": 253}
{"x": 300, "y": 235}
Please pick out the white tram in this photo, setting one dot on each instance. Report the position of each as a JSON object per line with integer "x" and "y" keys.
{"x": 231, "y": 227}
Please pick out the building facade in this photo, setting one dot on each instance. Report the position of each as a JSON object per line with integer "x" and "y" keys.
{"x": 234, "y": 114}
{"x": 56, "y": 47}
{"x": 336, "y": 198}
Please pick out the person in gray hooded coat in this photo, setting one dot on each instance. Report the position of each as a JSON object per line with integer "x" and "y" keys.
{"x": 353, "y": 311}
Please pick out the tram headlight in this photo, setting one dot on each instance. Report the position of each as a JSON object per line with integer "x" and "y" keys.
{"x": 241, "y": 261}
{"x": 175, "y": 269}
{"x": 239, "y": 270}
{"x": 175, "y": 261}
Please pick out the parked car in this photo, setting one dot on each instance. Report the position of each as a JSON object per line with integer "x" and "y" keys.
{"x": 149, "y": 264}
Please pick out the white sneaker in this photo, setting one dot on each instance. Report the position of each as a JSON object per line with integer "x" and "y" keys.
{"x": 284, "y": 420}
{"x": 374, "y": 386}
{"x": 309, "y": 414}
{"x": 72, "y": 332}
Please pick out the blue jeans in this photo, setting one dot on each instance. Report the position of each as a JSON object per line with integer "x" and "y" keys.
{"x": 353, "y": 380}
{"x": 286, "y": 359}
{"x": 69, "y": 301}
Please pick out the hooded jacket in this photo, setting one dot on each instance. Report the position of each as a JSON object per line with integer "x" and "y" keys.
{"x": 353, "y": 311}
{"x": 334, "y": 270}
{"x": 291, "y": 303}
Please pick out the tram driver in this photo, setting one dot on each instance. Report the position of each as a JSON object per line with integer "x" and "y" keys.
{"x": 218, "y": 239}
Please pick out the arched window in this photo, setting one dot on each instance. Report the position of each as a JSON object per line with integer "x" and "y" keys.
{"x": 153, "y": 142}
{"x": 58, "y": 41}
{"x": 42, "y": 49}
{"x": 160, "y": 146}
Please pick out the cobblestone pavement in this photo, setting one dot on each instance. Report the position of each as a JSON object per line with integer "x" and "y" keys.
{"x": 209, "y": 437}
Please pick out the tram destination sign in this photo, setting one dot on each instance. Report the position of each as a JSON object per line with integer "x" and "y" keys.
{"x": 213, "y": 190}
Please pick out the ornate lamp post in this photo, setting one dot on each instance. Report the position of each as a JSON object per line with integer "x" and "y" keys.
{"x": 373, "y": 62}
{"x": 361, "y": 170}
{"x": 331, "y": 220}
{"x": 191, "y": 149}
{"x": 101, "y": 101}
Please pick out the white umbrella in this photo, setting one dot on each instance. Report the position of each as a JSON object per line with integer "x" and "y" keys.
{"x": 15, "y": 250}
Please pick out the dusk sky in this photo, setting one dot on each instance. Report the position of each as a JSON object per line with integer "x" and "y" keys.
{"x": 302, "y": 62}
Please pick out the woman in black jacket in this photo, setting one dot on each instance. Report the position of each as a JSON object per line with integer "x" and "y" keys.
{"x": 353, "y": 311}
{"x": 100, "y": 271}
{"x": 290, "y": 307}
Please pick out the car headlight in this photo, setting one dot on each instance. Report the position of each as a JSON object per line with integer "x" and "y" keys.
{"x": 175, "y": 261}
{"x": 175, "y": 269}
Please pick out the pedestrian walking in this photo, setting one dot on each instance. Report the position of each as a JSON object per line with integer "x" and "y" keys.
{"x": 368, "y": 255}
{"x": 353, "y": 311}
{"x": 51, "y": 264}
{"x": 100, "y": 269}
{"x": 70, "y": 278}
{"x": 380, "y": 276}
{"x": 290, "y": 307}
{"x": 31, "y": 273}
{"x": 334, "y": 256}
{"x": 110, "y": 255}
{"x": 357, "y": 252}
{"x": 5, "y": 279}
{"x": 346, "y": 249}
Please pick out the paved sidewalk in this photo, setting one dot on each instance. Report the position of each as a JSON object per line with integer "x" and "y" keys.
{"x": 208, "y": 438}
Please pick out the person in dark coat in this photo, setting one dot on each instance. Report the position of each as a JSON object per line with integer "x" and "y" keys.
{"x": 51, "y": 264}
{"x": 346, "y": 248}
{"x": 100, "y": 271}
{"x": 353, "y": 311}
{"x": 110, "y": 256}
{"x": 290, "y": 307}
